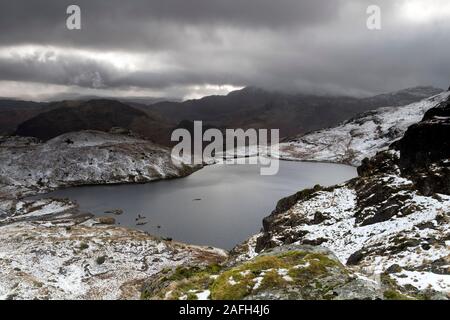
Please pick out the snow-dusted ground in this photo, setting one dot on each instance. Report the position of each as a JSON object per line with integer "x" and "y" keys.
{"x": 54, "y": 262}
{"x": 49, "y": 251}
{"x": 360, "y": 137}
{"x": 344, "y": 236}
{"x": 355, "y": 221}
{"x": 348, "y": 143}
{"x": 80, "y": 158}
{"x": 424, "y": 280}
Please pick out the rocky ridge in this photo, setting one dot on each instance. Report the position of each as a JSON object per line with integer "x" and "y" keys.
{"x": 287, "y": 272}
{"x": 390, "y": 223}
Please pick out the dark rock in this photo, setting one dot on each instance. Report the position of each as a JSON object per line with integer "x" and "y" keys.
{"x": 286, "y": 203}
{"x": 105, "y": 220}
{"x": 314, "y": 242}
{"x": 117, "y": 212}
{"x": 355, "y": 258}
{"x": 100, "y": 260}
{"x": 319, "y": 217}
{"x": 395, "y": 268}
{"x": 428, "y": 141}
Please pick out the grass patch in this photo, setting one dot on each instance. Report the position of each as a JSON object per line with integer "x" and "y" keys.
{"x": 395, "y": 295}
{"x": 83, "y": 246}
{"x": 239, "y": 282}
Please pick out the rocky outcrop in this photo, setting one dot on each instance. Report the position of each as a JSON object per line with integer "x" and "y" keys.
{"x": 425, "y": 151}
{"x": 391, "y": 221}
{"x": 82, "y": 158}
{"x": 286, "y": 272}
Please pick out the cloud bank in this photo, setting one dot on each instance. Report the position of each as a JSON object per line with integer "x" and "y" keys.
{"x": 191, "y": 48}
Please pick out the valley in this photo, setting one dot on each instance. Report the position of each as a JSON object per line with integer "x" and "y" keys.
{"x": 380, "y": 235}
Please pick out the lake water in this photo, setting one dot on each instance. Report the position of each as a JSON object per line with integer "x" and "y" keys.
{"x": 220, "y": 205}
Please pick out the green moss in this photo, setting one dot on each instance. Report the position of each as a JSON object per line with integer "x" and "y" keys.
{"x": 222, "y": 289}
{"x": 239, "y": 282}
{"x": 83, "y": 246}
{"x": 100, "y": 260}
{"x": 272, "y": 279}
{"x": 302, "y": 269}
{"x": 191, "y": 296}
{"x": 188, "y": 272}
{"x": 395, "y": 295}
{"x": 185, "y": 282}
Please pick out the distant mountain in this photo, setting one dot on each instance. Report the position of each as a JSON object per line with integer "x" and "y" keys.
{"x": 291, "y": 113}
{"x": 14, "y": 112}
{"x": 103, "y": 115}
{"x": 247, "y": 108}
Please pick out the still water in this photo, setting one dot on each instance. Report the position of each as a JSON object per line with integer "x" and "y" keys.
{"x": 220, "y": 205}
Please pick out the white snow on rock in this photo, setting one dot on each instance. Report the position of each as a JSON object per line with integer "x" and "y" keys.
{"x": 204, "y": 295}
{"x": 420, "y": 219}
{"x": 46, "y": 261}
{"x": 423, "y": 280}
{"x": 82, "y": 158}
{"x": 360, "y": 137}
{"x": 346, "y": 237}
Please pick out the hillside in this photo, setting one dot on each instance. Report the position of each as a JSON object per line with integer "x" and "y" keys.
{"x": 14, "y": 112}
{"x": 103, "y": 115}
{"x": 391, "y": 223}
{"x": 82, "y": 158}
{"x": 291, "y": 113}
{"x": 360, "y": 137}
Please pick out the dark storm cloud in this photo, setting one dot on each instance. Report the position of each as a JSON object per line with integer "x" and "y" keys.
{"x": 298, "y": 45}
{"x": 150, "y": 24}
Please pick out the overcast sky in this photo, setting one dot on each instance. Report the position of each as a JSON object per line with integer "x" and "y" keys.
{"x": 190, "y": 48}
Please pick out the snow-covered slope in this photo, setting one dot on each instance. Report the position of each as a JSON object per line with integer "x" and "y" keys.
{"x": 360, "y": 137}
{"x": 49, "y": 250}
{"x": 390, "y": 223}
{"x": 380, "y": 224}
{"x": 82, "y": 158}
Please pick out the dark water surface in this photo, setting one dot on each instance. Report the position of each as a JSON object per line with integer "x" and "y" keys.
{"x": 220, "y": 205}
